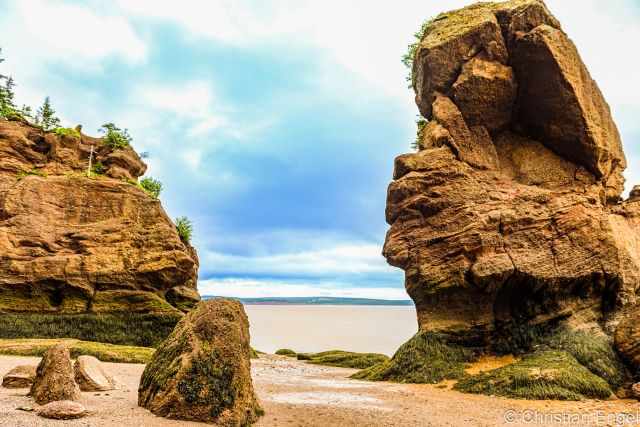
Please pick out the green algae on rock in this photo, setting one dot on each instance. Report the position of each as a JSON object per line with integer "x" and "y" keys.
{"x": 426, "y": 358}
{"x": 136, "y": 329}
{"x": 542, "y": 375}
{"x": 201, "y": 372}
{"x": 343, "y": 359}
{"x": 102, "y": 351}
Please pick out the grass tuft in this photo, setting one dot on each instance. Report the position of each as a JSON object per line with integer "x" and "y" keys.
{"x": 425, "y": 359}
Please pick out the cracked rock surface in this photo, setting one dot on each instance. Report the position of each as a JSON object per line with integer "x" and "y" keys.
{"x": 510, "y": 214}
{"x": 70, "y": 244}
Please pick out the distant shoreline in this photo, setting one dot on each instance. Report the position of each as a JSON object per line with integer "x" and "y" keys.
{"x": 317, "y": 301}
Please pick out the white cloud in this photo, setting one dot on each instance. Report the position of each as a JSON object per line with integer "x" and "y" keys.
{"x": 193, "y": 101}
{"x": 255, "y": 288}
{"x": 342, "y": 259}
{"x": 69, "y": 33}
{"x": 367, "y": 38}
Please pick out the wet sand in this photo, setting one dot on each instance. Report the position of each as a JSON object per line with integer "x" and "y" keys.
{"x": 295, "y": 393}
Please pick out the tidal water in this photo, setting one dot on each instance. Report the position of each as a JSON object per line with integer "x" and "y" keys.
{"x": 315, "y": 328}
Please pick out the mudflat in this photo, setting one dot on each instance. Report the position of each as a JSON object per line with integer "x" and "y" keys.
{"x": 294, "y": 393}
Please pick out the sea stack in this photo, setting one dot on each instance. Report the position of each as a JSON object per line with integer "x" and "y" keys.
{"x": 509, "y": 220}
{"x": 79, "y": 243}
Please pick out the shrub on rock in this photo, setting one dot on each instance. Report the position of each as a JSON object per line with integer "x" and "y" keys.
{"x": 54, "y": 377}
{"x": 202, "y": 372}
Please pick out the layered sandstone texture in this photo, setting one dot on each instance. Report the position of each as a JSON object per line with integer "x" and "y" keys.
{"x": 509, "y": 218}
{"x": 70, "y": 243}
{"x": 202, "y": 371}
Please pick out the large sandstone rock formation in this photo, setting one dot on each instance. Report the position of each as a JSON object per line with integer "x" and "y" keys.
{"x": 202, "y": 372}
{"x": 71, "y": 244}
{"x": 54, "y": 377}
{"x": 508, "y": 221}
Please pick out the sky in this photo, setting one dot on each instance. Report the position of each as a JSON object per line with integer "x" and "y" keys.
{"x": 273, "y": 125}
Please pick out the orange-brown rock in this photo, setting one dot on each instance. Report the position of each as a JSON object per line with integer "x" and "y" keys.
{"x": 509, "y": 217}
{"x": 76, "y": 244}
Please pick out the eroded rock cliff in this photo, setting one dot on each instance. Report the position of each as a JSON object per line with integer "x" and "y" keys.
{"x": 508, "y": 221}
{"x": 70, "y": 244}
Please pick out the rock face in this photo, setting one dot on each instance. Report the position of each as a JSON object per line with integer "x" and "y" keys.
{"x": 62, "y": 410}
{"x": 90, "y": 376}
{"x": 509, "y": 218}
{"x": 54, "y": 377}
{"x": 19, "y": 377}
{"x": 71, "y": 244}
{"x": 202, "y": 371}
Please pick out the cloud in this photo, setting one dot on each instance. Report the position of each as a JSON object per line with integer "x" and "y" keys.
{"x": 358, "y": 35}
{"x": 70, "y": 33}
{"x": 253, "y": 288}
{"x": 192, "y": 101}
{"x": 350, "y": 260}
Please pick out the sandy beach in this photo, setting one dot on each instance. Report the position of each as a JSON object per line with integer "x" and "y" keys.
{"x": 295, "y": 393}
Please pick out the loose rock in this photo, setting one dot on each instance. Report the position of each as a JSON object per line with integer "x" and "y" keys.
{"x": 62, "y": 410}
{"x": 202, "y": 371}
{"x": 54, "y": 377}
{"x": 90, "y": 375}
{"x": 20, "y": 377}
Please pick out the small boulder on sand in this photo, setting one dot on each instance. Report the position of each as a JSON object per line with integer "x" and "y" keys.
{"x": 54, "y": 377}
{"x": 19, "y": 377}
{"x": 62, "y": 410}
{"x": 90, "y": 375}
{"x": 202, "y": 371}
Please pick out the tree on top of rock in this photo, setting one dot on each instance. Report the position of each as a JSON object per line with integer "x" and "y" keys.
{"x": 46, "y": 116}
{"x": 7, "y": 105}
